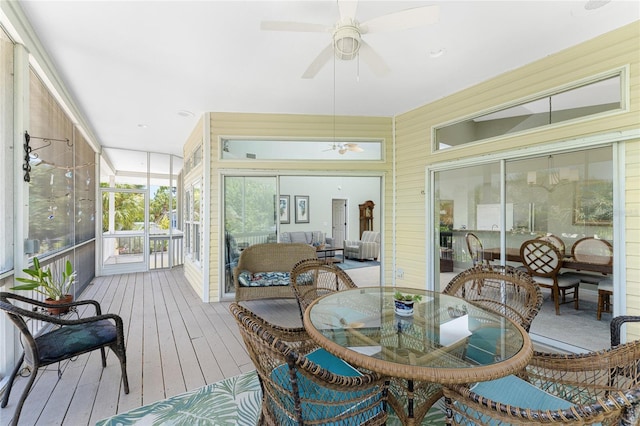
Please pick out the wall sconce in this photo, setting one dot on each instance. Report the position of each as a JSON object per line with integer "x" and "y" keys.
{"x": 31, "y": 159}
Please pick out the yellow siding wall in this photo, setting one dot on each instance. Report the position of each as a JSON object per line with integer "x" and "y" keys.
{"x": 285, "y": 126}
{"x": 413, "y": 139}
{"x": 193, "y": 271}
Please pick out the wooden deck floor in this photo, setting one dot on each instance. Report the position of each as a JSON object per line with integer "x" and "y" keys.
{"x": 175, "y": 343}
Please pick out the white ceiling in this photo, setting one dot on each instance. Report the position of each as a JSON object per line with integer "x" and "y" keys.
{"x": 134, "y": 67}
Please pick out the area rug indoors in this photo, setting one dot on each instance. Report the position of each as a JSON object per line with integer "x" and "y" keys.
{"x": 354, "y": 264}
{"x": 232, "y": 401}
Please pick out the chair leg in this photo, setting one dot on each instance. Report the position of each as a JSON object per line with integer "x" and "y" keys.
{"x": 23, "y": 397}
{"x": 604, "y": 303}
{"x": 104, "y": 357}
{"x": 600, "y": 305}
{"x": 556, "y": 299}
{"x": 5, "y": 398}
{"x": 122, "y": 357}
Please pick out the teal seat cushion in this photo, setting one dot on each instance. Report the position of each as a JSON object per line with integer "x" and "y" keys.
{"x": 332, "y": 363}
{"x": 66, "y": 341}
{"x": 320, "y": 403}
{"x": 514, "y": 391}
{"x": 511, "y": 390}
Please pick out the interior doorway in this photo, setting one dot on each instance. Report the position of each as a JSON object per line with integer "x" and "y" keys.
{"x": 339, "y": 220}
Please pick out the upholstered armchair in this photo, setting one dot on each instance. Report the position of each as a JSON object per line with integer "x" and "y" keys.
{"x": 366, "y": 248}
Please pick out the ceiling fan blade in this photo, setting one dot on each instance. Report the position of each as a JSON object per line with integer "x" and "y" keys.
{"x": 371, "y": 58}
{"x": 347, "y": 9}
{"x": 353, "y": 147}
{"x": 320, "y": 60}
{"x": 302, "y": 27}
{"x": 403, "y": 20}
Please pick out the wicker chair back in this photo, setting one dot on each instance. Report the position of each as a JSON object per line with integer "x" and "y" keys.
{"x": 312, "y": 278}
{"x": 298, "y": 387}
{"x": 502, "y": 289}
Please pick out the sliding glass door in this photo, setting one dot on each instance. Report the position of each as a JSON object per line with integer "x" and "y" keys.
{"x": 249, "y": 217}
{"x": 503, "y": 203}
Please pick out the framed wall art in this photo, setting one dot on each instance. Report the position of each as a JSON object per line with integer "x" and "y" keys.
{"x": 593, "y": 203}
{"x": 284, "y": 210}
{"x": 302, "y": 208}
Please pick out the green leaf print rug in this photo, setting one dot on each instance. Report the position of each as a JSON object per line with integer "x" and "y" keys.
{"x": 234, "y": 401}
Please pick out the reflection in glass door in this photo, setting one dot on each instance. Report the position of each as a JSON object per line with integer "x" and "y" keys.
{"x": 123, "y": 230}
{"x": 249, "y": 217}
{"x": 567, "y": 195}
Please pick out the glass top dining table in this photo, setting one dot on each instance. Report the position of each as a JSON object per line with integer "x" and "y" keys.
{"x": 446, "y": 340}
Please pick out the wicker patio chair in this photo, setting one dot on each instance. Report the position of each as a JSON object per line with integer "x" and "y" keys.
{"x": 312, "y": 278}
{"x": 616, "y": 327}
{"x": 302, "y": 383}
{"x": 576, "y": 389}
{"x": 543, "y": 261}
{"x": 69, "y": 338}
{"x": 270, "y": 259}
{"x": 502, "y": 289}
{"x": 505, "y": 290}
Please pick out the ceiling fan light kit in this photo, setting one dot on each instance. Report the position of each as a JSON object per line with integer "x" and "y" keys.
{"x": 343, "y": 148}
{"x": 346, "y": 41}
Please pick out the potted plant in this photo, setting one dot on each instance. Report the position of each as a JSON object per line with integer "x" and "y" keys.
{"x": 55, "y": 287}
{"x": 403, "y": 303}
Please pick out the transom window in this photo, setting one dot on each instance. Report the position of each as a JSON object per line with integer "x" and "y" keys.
{"x": 586, "y": 100}
{"x": 308, "y": 150}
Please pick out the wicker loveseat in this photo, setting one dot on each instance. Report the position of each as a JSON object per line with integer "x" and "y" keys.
{"x": 263, "y": 270}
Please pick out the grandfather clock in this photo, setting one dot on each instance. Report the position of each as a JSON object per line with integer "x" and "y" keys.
{"x": 366, "y": 216}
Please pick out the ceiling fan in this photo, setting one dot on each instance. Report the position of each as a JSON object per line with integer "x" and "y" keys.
{"x": 342, "y": 148}
{"x": 347, "y": 42}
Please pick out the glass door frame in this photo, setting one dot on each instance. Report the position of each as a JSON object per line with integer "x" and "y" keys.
{"x": 618, "y": 176}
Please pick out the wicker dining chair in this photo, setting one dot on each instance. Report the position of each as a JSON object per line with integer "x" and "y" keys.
{"x": 68, "y": 339}
{"x": 543, "y": 261}
{"x": 302, "y": 383}
{"x": 502, "y": 289}
{"x": 312, "y": 278}
{"x": 570, "y": 389}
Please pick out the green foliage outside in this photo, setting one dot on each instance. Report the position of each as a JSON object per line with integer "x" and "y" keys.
{"x": 250, "y": 205}
{"x": 129, "y": 208}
